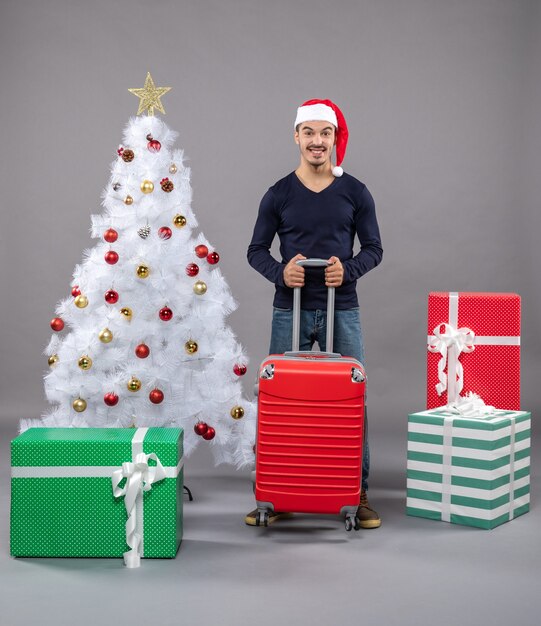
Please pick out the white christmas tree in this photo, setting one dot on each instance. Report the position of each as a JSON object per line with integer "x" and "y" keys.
{"x": 142, "y": 341}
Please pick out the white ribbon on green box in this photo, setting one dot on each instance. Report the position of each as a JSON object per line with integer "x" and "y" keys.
{"x": 447, "y": 454}
{"x": 512, "y": 470}
{"x": 139, "y": 475}
{"x": 451, "y": 342}
{"x": 447, "y": 465}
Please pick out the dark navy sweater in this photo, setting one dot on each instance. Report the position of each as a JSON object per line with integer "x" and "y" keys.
{"x": 316, "y": 224}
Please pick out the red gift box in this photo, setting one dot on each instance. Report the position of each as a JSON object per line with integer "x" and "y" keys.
{"x": 473, "y": 346}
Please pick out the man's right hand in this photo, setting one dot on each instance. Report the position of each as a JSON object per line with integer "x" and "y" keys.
{"x": 293, "y": 273}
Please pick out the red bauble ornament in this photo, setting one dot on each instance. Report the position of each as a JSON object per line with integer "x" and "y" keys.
{"x": 111, "y": 296}
{"x": 142, "y": 351}
{"x": 156, "y": 396}
{"x": 165, "y": 232}
{"x": 110, "y": 235}
{"x": 165, "y": 314}
{"x": 57, "y": 324}
{"x": 75, "y": 291}
{"x": 201, "y": 251}
{"x": 192, "y": 269}
{"x": 209, "y": 434}
{"x": 239, "y": 369}
{"x": 200, "y": 428}
{"x": 213, "y": 258}
{"x": 110, "y": 399}
{"x": 154, "y": 145}
{"x": 111, "y": 257}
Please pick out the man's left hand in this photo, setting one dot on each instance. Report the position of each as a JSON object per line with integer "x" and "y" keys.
{"x": 334, "y": 274}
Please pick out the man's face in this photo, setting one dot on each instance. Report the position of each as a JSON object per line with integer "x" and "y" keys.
{"x": 315, "y": 141}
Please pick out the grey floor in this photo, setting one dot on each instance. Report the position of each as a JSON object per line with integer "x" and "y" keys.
{"x": 306, "y": 570}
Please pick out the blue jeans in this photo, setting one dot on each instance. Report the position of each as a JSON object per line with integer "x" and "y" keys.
{"x": 348, "y": 341}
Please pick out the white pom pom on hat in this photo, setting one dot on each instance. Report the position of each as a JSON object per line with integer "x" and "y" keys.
{"x": 326, "y": 111}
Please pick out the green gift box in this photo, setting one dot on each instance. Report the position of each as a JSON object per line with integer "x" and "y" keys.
{"x": 94, "y": 492}
{"x": 468, "y": 470}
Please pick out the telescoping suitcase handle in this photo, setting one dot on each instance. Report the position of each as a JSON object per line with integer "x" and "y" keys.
{"x": 297, "y": 309}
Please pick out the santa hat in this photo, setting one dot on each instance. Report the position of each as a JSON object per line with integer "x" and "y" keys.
{"x": 326, "y": 111}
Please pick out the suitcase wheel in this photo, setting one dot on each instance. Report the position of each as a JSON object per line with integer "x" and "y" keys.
{"x": 351, "y": 522}
{"x": 262, "y": 518}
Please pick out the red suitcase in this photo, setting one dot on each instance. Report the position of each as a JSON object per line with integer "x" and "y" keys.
{"x": 310, "y": 428}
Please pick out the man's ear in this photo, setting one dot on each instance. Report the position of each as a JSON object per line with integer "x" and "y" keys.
{"x": 296, "y": 137}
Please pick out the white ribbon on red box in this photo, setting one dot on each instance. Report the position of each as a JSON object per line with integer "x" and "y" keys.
{"x": 450, "y": 342}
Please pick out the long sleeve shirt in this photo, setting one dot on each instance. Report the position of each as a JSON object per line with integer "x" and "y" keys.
{"x": 320, "y": 225}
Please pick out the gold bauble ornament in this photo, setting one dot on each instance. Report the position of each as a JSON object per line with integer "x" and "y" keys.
{"x": 134, "y": 384}
{"x": 200, "y": 287}
{"x": 128, "y": 200}
{"x": 179, "y": 221}
{"x": 126, "y": 312}
{"x": 147, "y": 186}
{"x": 53, "y": 360}
{"x": 191, "y": 346}
{"x": 85, "y": 362}
{"x": 237, "y": 412}
{"x": 106, "y": 336}
{"x": 143, "y": 271}
{"x": 81, "y": 301}
{"x": 79, "y": 405}
{"x": 172, "y": 168}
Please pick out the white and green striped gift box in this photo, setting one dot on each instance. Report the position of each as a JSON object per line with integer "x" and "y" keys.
{"x": 468, "y": 470}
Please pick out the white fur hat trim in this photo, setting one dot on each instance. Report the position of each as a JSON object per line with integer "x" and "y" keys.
{"x": 315, "y": 113}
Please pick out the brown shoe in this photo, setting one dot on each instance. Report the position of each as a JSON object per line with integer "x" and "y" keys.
{"x": 368, "y": 518}
{"x": 251, "y": 518}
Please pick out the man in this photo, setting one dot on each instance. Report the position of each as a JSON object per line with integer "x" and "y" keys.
{"x": 316, "y": 211}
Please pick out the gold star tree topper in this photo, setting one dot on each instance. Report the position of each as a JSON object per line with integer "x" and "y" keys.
{"x": 150, "y": 96}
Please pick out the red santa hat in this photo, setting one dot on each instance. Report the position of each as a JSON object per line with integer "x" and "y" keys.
{"x": 326, "y": 111}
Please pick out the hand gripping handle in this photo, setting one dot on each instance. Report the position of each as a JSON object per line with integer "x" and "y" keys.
{"x": 297, "y": 307}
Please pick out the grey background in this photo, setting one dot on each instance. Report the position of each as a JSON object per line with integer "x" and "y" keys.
{"x": 442, "y": 100}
